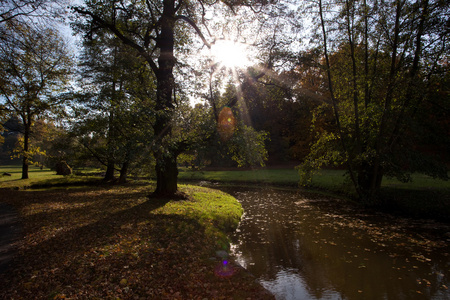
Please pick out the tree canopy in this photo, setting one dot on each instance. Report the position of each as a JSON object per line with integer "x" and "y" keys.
{"x": 35, "y": 71}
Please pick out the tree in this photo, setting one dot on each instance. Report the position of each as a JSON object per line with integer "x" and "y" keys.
{"x": 41, "y": 140}
{"x": 35, "y": 72}
{"x": 379, "y": 58}
{"x": 110, "y": 113}
{"x": 149, "y": 28}
{"x": 154, "y": 30}
{"x": 227, "y": 139}
{"x": 283, "y": 105}
{"x": 19, "y": 10}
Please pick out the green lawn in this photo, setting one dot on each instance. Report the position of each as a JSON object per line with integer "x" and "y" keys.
{"x": 328, "y": 179}
{"x": 324, "y": 179}
{"x": 16, "y": 172}
{"x": 272, "y": 176}
{"x": 37, "y": 177}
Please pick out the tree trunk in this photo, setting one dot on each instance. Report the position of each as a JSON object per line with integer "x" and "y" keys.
{"x": 349, "y": 162}
{"x": 366, "y": 55}
{"x": 385, "y": 118}
{"x": 124, "y": 172}
{"x": 412, "y": 92}
{"x": 351, "y": 34}
{"x": 109, "y": 174}
{"x": 26, "y": 148}
{"x": 369, "y": 182}
{"x": 166, "y": 177}
{"x": 25, "y": 167}
{"x": 165, "y": 155}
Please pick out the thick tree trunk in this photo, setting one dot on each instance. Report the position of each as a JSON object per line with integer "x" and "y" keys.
{"x": 109, "y": 174}
{"x": 166, "y": 177}
{"x": 166, "y": 157}
{"x": 25, "y": 167}
{"x": 123, "y": 173}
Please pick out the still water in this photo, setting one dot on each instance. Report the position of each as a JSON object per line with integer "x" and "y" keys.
{"x": 305, "y": 246}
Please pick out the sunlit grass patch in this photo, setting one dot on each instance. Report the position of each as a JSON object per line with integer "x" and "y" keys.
{"x": 217, "y": 212}
{"x": 10, "y": 178}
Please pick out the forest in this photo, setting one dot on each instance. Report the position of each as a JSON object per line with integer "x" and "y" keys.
{"x": 143, "y": 88}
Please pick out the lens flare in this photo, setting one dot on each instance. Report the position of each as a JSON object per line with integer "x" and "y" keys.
{"x": 224, "y": 269}
{"x": 226, "y": 124}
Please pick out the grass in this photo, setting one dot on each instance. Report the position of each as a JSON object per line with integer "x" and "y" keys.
{"x": 266, "y": 176}
{"x": 14, "y": 181}
{"x": 218, "y": 212}
{"x": 112, "y": 242}
{"x": 334, "y": 178}
{"x": 326, "y": 179}
{"x": 38, "y": 178}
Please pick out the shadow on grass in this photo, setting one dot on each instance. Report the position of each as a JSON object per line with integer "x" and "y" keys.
{"x": 100, "y": 243}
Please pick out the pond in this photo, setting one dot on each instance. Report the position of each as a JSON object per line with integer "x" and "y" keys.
{"x": 306, "y": 246}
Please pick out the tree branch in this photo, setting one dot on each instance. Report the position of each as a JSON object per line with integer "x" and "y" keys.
{"x": 141, "y": 50}
{"x": 192, "y": 23}
{"x": 94, "y": 154}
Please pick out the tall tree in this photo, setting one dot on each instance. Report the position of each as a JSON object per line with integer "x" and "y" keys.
{"x": 117, "y": 92}
{"x": 35, "y": 71}
{"x": 154, "y": 29}
{"x": 379, "y": 58}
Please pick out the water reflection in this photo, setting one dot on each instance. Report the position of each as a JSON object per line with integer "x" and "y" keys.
{"x": 307, "y": 247}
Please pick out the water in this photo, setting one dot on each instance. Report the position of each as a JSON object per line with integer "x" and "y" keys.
{"x": 302, "y": 246}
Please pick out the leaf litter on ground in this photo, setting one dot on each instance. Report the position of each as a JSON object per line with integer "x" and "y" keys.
{"x": 112, "y": 242}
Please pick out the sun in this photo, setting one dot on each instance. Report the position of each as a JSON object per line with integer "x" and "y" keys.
{"x": 230, "y": 54}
